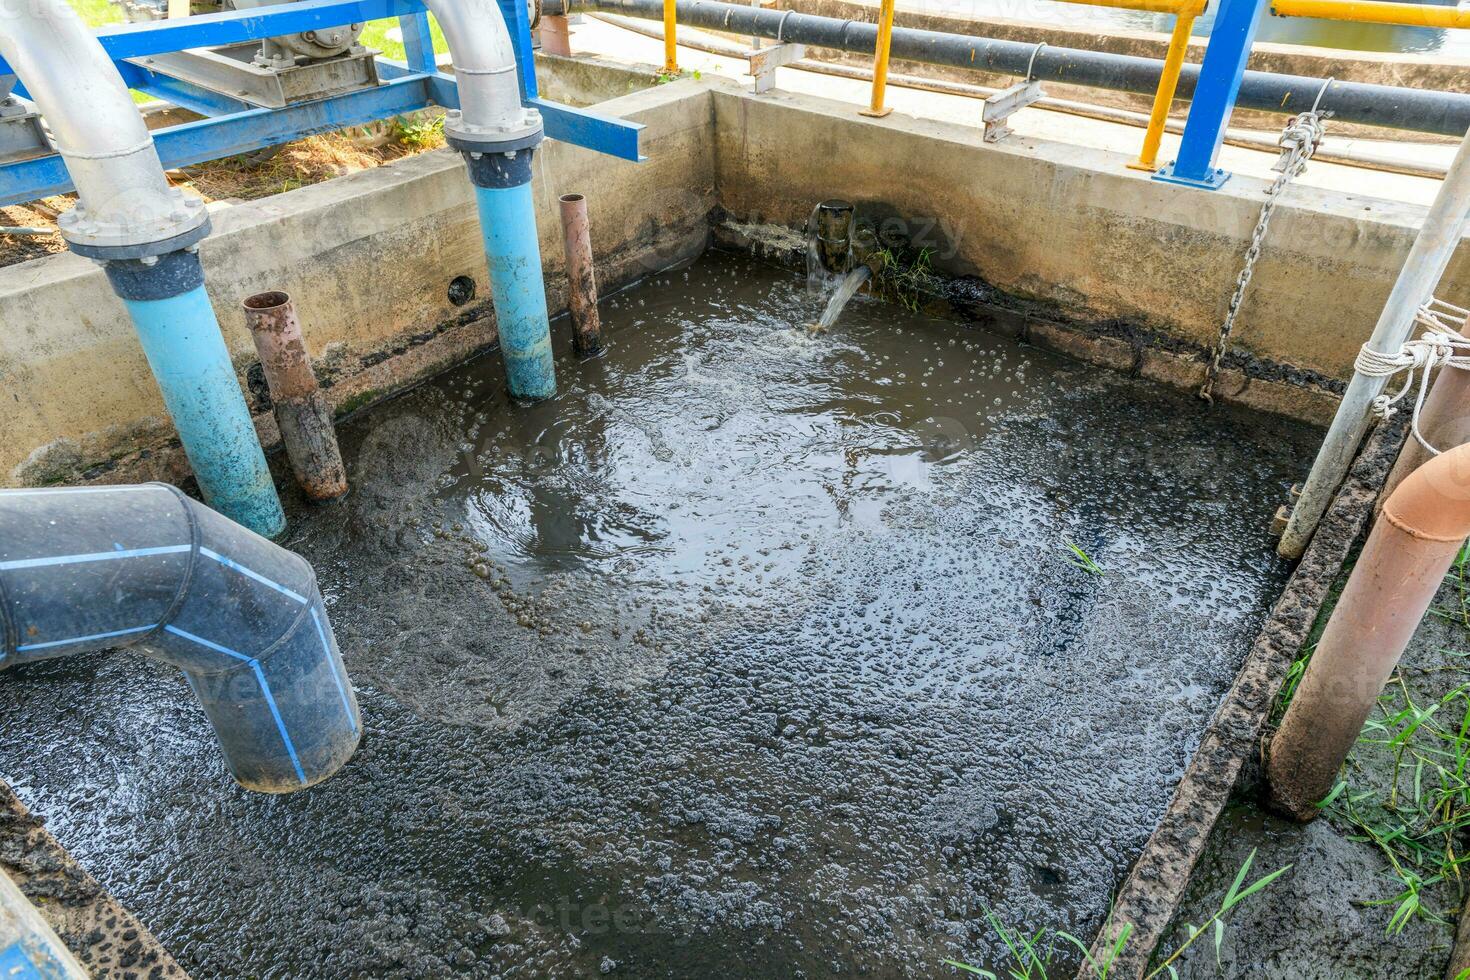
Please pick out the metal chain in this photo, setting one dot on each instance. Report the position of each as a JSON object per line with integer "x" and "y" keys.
{"x": 1299, "y": 141}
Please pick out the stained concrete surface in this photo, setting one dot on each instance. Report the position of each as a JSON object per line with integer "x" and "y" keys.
{"x": 752, "y": 653}
{"x": 1318, "y": 921}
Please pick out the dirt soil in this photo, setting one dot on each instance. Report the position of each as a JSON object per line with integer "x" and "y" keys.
{"x": 245, "y": 178}
{"x": 1329, "y": 917}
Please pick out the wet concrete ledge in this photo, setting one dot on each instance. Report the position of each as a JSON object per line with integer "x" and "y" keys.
{"x": 1074, "y": 229}
{"x": 108, "y": 941}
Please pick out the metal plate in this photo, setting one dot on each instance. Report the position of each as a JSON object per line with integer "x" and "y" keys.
{"x": 230, "y": 71}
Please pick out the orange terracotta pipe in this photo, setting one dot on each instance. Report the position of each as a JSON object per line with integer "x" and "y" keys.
{"x": 1417, "y": 537}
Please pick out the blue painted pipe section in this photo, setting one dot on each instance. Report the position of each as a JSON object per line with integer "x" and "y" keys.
{"x": 144, "y": 566}
{"x": 508, "y": 220}
{"x": 181, "y": 338}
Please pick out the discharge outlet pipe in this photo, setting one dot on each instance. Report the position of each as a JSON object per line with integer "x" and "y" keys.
{"x": 94, "y": 568}
{"x": 1402, "y": 566}
{"x": 498, "y": 137}
{"x": 146, "y": 235}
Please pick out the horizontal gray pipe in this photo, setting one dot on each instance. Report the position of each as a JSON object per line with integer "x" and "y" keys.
{"x": 95, "y": 568}
{"x": 1444, "y": 113}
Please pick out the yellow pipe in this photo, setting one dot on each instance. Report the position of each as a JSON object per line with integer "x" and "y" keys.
{"x": 671, "y": 42}
{"x": 1181, "y": 7}
{"x": 880, "y": 62}
{"x": 1375, "y": 12}
{"x": 1148, "y": 157}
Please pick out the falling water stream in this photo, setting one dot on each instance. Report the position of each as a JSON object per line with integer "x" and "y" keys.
{"x": 845, "y": 291}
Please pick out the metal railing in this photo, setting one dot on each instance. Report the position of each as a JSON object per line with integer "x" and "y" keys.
{"x": 1224, "y": 68}
{"x": 1184, "y": 12}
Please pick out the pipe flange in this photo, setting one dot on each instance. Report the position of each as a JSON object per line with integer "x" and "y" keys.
{"x": 186, "y": 224}
{"x": 183, "y": 241}
{"x": 521, "y": 134}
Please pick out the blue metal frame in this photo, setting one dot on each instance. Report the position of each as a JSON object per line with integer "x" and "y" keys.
{"x": 1231, "y": 40}
{"x": 232, "y": 127}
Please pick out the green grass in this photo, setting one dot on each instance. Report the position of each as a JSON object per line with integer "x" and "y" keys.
{"x": 1032, "y": 957}
{"x": 1418, "y": 816}
{"x": 1081, "y": 559}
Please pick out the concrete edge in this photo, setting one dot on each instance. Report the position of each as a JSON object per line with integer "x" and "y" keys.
{"x": 1150, "y": 897}
{"x": 103, "y": 935}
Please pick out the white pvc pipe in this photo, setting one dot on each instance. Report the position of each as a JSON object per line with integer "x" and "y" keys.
{"x": 1443, "y": 229}
{"x": 484, "y": 66}
{"x": 125, "y": 198}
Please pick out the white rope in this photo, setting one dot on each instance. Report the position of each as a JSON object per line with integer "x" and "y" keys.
{"x": 1443, "y": 345}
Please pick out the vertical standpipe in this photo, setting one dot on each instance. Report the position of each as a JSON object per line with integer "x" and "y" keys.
{"x": 145, "y": 232}
{"x": 513, "y": 247}
{"x": 301, "y": 410}
{"x": 181, "y": 338}
{"x": 581, "y": 276}
{"x": 498, "y": 137}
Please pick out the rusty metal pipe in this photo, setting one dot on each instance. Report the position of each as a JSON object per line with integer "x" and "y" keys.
{"x": 556, "y": 36}
{"x": 302, "y": 412}
{"x": 1420, "y": 532}
{"x": 581, "y": 276}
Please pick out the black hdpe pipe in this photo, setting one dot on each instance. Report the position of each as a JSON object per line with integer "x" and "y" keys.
{"x": 95, "y": 568}
{"x": 1442, "y": 113}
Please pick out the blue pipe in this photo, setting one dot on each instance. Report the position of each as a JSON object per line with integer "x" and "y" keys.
{"x": 181, "y": 337}
{"x": 96, "y": 568}
{"x": 512, "y": 246}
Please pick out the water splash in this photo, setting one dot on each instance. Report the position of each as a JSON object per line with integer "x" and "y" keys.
{"x": 845, "y": 292}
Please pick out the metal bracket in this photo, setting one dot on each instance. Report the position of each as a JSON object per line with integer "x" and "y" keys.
{"x": 765, "y": 61}
{"x": 1004, "y": 104}
{"x": 21, "y": 132}
{"x": 232, "y": 70}
{"x": 1212, "y": 180}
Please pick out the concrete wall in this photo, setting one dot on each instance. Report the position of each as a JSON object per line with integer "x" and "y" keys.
{"x": 1105, "y": 263}
{"x": 368, "y": 258}
{"x": 1074, "y": 229}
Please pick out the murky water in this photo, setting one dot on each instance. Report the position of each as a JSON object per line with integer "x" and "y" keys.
{"x": 753, "y": 653}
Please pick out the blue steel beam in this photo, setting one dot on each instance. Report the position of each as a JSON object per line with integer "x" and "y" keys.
{"x": 232, "y": 26}
{"x": 418, "y": 43}
{"x": 212, "y": 139}
{"x": 183, "y": 94}
{"x": 604, "y": 134}
{"x": 520, "y": 36}
{"x": 1220, "y": 75}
